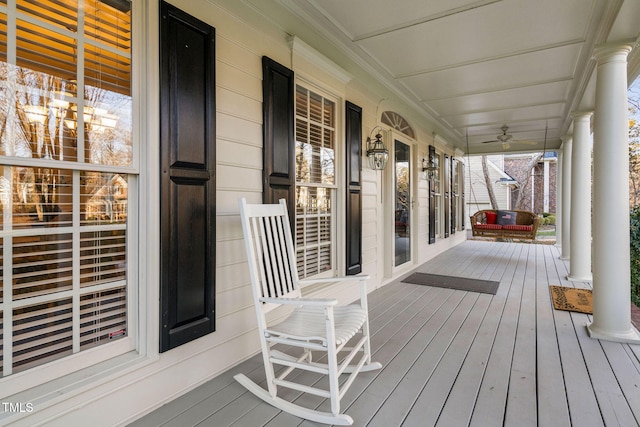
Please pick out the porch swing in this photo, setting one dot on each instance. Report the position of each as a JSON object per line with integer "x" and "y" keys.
{"x": 504, "y": 224}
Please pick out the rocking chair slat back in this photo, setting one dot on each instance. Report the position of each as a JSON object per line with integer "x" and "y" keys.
{"x": 272, "y": 262}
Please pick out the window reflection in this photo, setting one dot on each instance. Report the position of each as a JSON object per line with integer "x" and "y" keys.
{"x": 103, "y": 198}
{"x": 49, "y": 123}
{"x": 65, "y": 111}
{"x": 40, "y": 197}
{"x": 402, "y": 204}
{"x": 43, "y": 197}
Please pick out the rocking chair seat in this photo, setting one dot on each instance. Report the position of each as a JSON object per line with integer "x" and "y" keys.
{"x": 309, "y": 324}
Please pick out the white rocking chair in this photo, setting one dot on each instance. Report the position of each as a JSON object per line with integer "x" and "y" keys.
{"x": 314, "y": 324}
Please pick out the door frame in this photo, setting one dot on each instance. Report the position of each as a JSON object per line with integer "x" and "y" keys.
{"x": 388, "y": 201}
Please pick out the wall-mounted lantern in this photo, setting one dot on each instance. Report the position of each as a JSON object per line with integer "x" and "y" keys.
{"x": 376, "y": 151}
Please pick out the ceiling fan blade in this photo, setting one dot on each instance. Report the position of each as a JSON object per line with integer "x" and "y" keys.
{"x": 489, "y": 142}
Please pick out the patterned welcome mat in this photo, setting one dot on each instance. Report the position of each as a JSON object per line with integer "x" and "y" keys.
{"x": 450, "y": 282}
{"x": 571, "y": 299}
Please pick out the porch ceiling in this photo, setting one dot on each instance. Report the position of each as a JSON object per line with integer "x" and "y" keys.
{"x": 476, "y": 65}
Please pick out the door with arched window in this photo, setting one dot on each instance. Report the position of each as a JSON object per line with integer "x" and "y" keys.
{"x": 401, "y": 187}
{"x": 402, "y": 202}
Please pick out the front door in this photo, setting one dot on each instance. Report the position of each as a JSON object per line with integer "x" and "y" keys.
{"x": 402, "y": 201}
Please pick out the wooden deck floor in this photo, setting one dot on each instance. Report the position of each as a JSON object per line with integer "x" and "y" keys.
{"x": 454, "y": 358}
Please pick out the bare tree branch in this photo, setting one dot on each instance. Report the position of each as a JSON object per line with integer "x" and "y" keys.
{"x": 532, "y": 164}
{"x": 489, "y": 184}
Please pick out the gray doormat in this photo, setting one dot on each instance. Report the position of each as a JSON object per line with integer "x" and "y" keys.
{"x": 450, "y": 282}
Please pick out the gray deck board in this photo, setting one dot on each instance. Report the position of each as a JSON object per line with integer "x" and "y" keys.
{"x": 401, "y": 357}
{"x": 428, "y": 406}
{"x": 454, "y": 358}
{"x": 521, "y": 407}
{"x": 402, "y": 398}
{"x": 613, "y": 405}
{"x": 552, "y": 401}
{"x": 491, "y": 402}
{"x": 459, "y": 406}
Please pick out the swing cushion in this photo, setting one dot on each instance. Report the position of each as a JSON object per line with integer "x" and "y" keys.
{"x": 506, "y": 218}
{"x": 488, "y": 226}
{"x": 518, "y": 227}
{"x": 491, "y": 217}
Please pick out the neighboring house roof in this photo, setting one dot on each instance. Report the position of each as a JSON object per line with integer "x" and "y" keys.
{"x": 508, "y": 181}
{"x": 505, "y": 178}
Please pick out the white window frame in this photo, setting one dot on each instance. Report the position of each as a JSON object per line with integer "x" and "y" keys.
{"x": 455, "y": 181}
{"x": 136, "y": 335}
{"x": 439, "y": 195}
{"x": 336, "y": 188}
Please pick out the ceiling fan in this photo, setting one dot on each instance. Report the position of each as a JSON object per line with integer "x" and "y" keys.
{"x": 506, "y": 139}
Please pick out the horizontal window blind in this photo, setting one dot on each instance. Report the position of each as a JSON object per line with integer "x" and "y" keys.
{"x": 103, "y": 198}
{"x": 103, "y": 317}
{"x": 64, "y": 237}
{"x": 45, "y": 51}
{"x": 315, "y": 137}
{"x": 437, "y": 185}
{"x": 60, "y": 13}
{"x": 42, "y": 197}
{"x": 42, "y": 333}
{"x": 315, "y": 182}
{"x": 103, "y": 257}
{"x": 42, "y": 265}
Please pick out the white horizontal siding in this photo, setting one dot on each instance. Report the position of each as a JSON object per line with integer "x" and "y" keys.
{"x": 242, "y": 38}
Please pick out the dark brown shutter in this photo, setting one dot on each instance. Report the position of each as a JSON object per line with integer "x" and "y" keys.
{"x": 432, "y": 201}
{"x": 187, "y": 183}
{"x": 353, "y": 125}
{"x": 447, "y": 195}
{"x": 279, "y": 174}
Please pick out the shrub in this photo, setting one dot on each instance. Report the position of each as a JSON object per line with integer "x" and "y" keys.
{"x": 551, "y": 219}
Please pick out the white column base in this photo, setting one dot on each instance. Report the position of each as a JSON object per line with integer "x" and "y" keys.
{"x": 585, "y": 278}
{"x": 632, "y": 336}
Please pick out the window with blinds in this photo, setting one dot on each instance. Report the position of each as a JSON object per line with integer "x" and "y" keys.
{"x": 315, "y": 182}
{"x": 437, "y": 186}
{"x": 66, "y": 163}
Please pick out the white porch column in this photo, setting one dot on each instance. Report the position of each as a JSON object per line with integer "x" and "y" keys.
{"x": 559, "y": 198}
{"x": 611, "y": 264}
{"x": 580, "y": 266}
{"x": 566, "y": 197}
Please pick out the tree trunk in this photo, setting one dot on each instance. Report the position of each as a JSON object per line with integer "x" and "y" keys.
{"x": 523, "y": 184}
{"x": 488, "y": 183}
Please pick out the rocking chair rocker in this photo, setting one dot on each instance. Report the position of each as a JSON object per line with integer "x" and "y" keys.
{"x": 314, "y": 324}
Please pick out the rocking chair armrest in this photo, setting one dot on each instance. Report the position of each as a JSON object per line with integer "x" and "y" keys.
{"x": 361, "y": 278}
{"x": 335, "y": 279}
{"x": 321, "y": 302}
